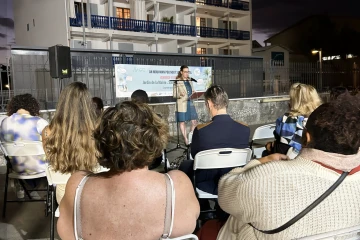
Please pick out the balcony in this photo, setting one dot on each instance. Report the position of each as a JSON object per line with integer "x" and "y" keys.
{"x": 234, "y": 4}
{"x": 133, "y": 25}
{"x": 208, "y": 32}
{"x": 176, "y": 29}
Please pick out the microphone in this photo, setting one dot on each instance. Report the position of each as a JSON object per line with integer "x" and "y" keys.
{"x": 193, "y": 80}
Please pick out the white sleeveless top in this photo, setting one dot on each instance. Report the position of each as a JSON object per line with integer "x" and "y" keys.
{"x": 169, "y": 211}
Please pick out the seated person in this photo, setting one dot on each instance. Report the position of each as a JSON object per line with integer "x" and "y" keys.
{"x": 99, "y": 105}
{"x": 221, "y": 132}
{"x": 129, "y": 201}
{"x": 304, "y": 99}
{"x": 24, "y": 124}
{"x": 283, "y": 189}
{"x": 141, "y": 96}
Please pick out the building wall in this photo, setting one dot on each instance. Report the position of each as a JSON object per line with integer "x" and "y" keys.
{"x": 35, "y": 23}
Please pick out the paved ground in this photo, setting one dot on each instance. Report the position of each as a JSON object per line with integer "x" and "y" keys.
{"x": 28, "y": 221}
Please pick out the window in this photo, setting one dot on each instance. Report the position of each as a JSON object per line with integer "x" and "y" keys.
{"x": 227, "y": 52}
{"x": 201, "y": 51}
{"x": 28, "y": 27}
{"x": 200, "y": 22}
{"x": 122, "y": 12}
{"x": 78, "y": 8}
{"x": 226, "y": 24}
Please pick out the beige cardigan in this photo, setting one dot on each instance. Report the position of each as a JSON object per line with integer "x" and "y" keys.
{"x": 181, "y": 101}
{"x": 268, "y": 195}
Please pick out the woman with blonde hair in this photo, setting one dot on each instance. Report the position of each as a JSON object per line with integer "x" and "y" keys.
{"x": 68, "y": 141}
{"x": 304, "y": 99}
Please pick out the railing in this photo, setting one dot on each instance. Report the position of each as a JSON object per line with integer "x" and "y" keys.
{"x": 127, "y": 24}
{"x": 176, "y": 29}
{"x": 99, "y": 21}
{"x": 213, "y": 32}
{"x": 234, "y": 4}
{"x": 134, "y": 25}
{"x": 191, "y": 1}
{"x": 122, "y": 60}
{"x": 77, "y": 20}
{"x": 239, "y": 35}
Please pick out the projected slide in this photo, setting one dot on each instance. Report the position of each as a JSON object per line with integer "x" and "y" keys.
{"x": 155, "y": 79}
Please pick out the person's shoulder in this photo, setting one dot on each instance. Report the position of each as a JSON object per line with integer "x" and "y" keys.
{"x": 203, "y": 125}
{"x": 181, "y": 180}
{"x": 75, "y": 179}
{"x": 241, "y": 123}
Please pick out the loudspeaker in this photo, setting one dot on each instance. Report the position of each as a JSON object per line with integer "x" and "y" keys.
{"x": 60, "y": 61}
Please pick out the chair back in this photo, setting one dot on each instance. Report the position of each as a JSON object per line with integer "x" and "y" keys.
{"x": 55, "y": 178}
{"x": 22, "y": 148}
{"x": 222, "y": 158}
{"x": 351, "y": 233}
{"x": 190, "y": 236}
{"x": 266, "y": 131}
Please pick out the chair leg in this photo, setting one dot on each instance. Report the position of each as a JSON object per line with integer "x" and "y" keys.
{"x": 6, "y": 192}
{"x": 23, "y": 186}
{"x": 52, "y": 221}
{"x": 47, "y": 201}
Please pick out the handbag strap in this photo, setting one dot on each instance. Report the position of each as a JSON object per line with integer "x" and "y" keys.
{"x": 306, "y": 210}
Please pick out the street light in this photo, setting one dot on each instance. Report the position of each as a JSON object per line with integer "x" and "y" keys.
{"x": 315, "y": 51}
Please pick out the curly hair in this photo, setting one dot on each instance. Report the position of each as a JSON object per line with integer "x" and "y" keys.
{"x": 129, "y": 136}
{"x": 69, "y": 146}
{"x": 334, "y": 126}
{"x": 24, "y": 101}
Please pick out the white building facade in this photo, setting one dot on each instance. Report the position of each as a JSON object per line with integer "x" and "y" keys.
{"x": 221, "y": 27}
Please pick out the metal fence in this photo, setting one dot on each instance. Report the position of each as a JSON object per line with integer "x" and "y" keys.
{"x": 240, "y": 76}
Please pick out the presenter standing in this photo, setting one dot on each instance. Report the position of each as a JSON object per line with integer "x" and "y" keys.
{"x": 186, "y": 109}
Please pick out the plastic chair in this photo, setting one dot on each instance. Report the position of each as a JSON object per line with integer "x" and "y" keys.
{"x": 262, "y": 135}
{"x": 352, "y": 233}
{"x": 219, "y": 158}
{"x": 21, "y": 149}
{"x": 189, "y": 236}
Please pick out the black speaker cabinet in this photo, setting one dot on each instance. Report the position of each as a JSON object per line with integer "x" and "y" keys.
{"x": 60, "y": 62}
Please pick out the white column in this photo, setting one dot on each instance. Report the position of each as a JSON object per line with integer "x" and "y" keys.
{"x": 88, "y": 14}
{"x": 137, "y": 9}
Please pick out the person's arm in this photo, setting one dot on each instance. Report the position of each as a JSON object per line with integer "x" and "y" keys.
{"x": 187, "y": 209}
{"x": 65, "y": 224}
{"x": 230, "y": 185}
{"x": 195, "y": 143}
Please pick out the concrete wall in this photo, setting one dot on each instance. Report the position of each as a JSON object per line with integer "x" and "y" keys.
{"x": 40, "y": 23}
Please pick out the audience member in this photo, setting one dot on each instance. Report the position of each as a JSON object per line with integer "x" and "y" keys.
{"x": 140, "y": 96}
{"x": 129, "y": 201}
{"x": 304, "y": 99}
{"x": 68, "y": 141}
{"x": 221, "y": 132}
{"x": 337, "y": 91}
{"x": 285, "y": 188}
{"x": 24, "y": 124}
{"x": 99, "y": 105}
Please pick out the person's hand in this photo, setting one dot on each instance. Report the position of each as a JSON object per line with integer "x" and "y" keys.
{"x": 273, "y": 157}
{"x": 269, "y": 146}
{"x": 182, "y": 94}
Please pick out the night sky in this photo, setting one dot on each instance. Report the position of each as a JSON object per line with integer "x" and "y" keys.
{"x": 269, "y": 16}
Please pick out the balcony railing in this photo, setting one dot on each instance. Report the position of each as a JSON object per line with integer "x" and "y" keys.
{"x": 191, "y": 1}
{"x": 213, "y": 32}
{"x": 234, "y": 4}
{"x": 176, "y": 29}
{"x": 99, "y": 21}
{"x": 239, "y": 35}
{"x": 133, "y": 25}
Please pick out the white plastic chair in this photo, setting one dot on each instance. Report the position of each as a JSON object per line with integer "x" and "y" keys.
{"x": 262, "y": 135}
{"x": 351, "y": 233}
{"x": 190, "y": 140}
{"x": 21, "y": 149}
{"x": 54, "y": 178}
{"x": 189, "y": 236}
{"x": 219, "y": 158}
